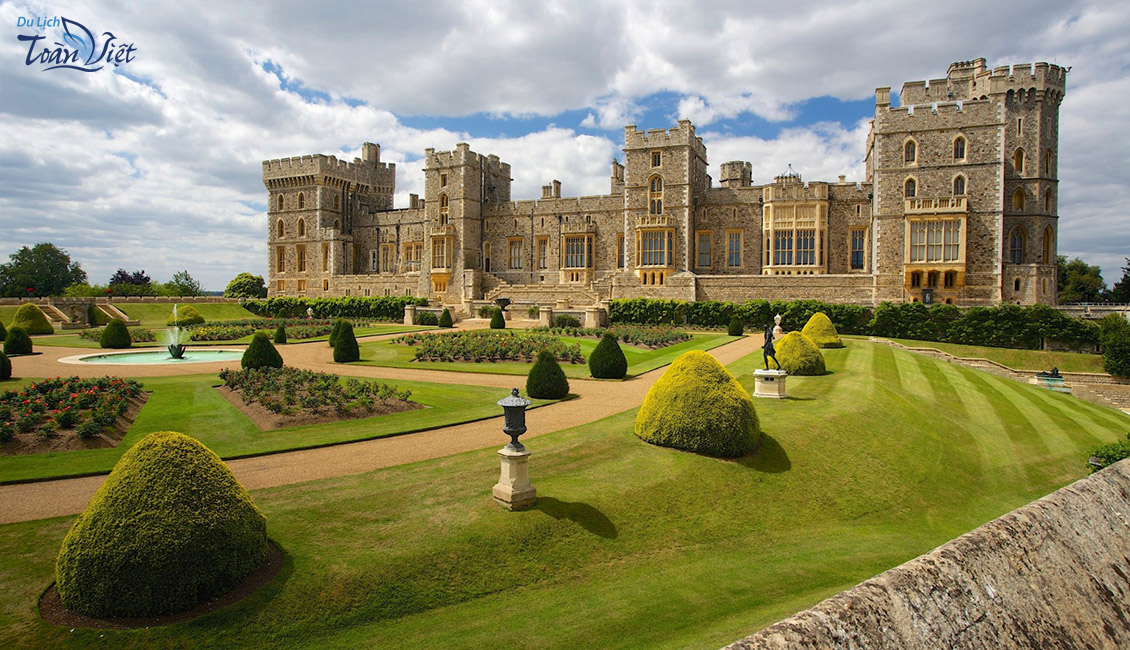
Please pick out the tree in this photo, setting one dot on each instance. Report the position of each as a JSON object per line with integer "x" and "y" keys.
{"x": 1079, "y": 281}
{"x": 122, "y": 276}
{"x": 246, "y": 285}
{"x": 46, "y": 269}
{"x": 1120, "y": 292}
{"x": 183, "y": 284}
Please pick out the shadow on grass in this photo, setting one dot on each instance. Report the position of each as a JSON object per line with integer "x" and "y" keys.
{"x": 582, "y": 514}
{"x": 769, "y": 457}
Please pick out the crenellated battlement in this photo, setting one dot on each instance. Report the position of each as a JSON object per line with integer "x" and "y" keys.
{"x": 366, "y": 172}
{"x": 967, "y": 80}
{"x": 681, "y": 134}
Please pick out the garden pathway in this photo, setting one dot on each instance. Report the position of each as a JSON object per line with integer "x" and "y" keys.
{"x": 596, "y": 400}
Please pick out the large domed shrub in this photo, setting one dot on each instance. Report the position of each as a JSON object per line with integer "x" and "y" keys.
{"x": 736, "y": 327}
{"x": 261, "y": 353}
{"x": 31, "y": 319}
{"x": 799, "y": 355}
{"x": 546, "y": 379}
{"x": 607, "y": 361}
{"x": 186, "y": 315}
{"x": 336, "y": 330}
{"x": 346, "y": 349}
{"x": 18, "y": 342}
{"x": 5, "y": 367}
{"x": 115, "y": 335}
{"x": 698, "y": 406}
{"x": 445, "y": 318}
{"x": 497, "y": 322}
{"x": 170, "y": 528}
{"x": 823, "y": 333}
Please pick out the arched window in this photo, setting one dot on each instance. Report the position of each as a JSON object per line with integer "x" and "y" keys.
{"x": 301, "y": 227}
{"x": 910, "y": 189}
{"x": 1016, "y": 245}
{"x": 282, "y": 202}
{"x": 280, "y": 229}
{"x": 1048, "y": 201}
{"x": 301, "y": 200}
{"x": 1018, "y": 199}
{"x": 959, "y": 186}
{"x": 1018, "y": 161}
{"x": 959, "y": 148}
{"x": 486, "y": 256}
{"x": 1048, "y": 162}
{"x": 1046, "y": 258}
{"x": 655, "y": 195}
{"x": 910, "y": 152}
{"x": 443, "y": 209}
{"x": 337, "y": 203}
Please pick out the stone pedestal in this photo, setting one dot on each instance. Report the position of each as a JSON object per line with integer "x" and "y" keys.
{"x": 769, "y": 383}
{"x": 545, "y": 317}
{"x": 562, "y": 303}
{"x": 594, "y": 317}
{"x": 505, "y": 314}
{"x": 409, "y": 314}
{"x": 514, "y": 491}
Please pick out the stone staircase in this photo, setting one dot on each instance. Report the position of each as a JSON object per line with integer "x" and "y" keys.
{"x": 1116, "y": 395}
{"x": 538, "y": 294}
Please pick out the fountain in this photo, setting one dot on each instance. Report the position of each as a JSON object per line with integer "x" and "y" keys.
{"x": 175, "y": 339}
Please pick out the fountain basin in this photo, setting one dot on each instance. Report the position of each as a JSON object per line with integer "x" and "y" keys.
{"x": 159, "y": 356}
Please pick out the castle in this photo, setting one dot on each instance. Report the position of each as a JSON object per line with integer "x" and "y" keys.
{"x": 958, "y": 206}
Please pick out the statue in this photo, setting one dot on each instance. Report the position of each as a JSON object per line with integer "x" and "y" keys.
{"x": 1050, "y": 374}
{"x": 309, "y": 312}
{"x": 768, "y": 350}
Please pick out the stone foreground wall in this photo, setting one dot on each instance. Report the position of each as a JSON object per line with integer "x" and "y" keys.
{"x": 1053, "y": 574}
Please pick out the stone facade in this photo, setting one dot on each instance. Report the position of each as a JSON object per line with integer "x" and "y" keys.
{"x": 958, "y": 205}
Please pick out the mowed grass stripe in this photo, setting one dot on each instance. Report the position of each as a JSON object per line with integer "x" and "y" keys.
{"x": 1057, "y": 430}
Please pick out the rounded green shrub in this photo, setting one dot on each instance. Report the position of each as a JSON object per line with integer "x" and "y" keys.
{"x": 280, "y": 335}
{"x": 17, "y": 342}
{"x": 115, "y": 335}
{"x": 3, "y": 332}
{"x": 607, "y": 360}
{"x": 546, "y": 379}
{"x": 426, "y": 318}
{"x": 698, "y": 406}
{"x": 186, "y": 315}
{"x": 823, "y": 333}
{"x": 497, "y": 322}
{"x": 736, "y": 327}
{"x": 565, "y": 321}
{"x": 799, "y": 355}
{"x": 261, "y": 353}
{"x": 346, "y": 349}
{"x": 336, "y": 330}
{"x": 32, "y": 320}
{"x": 169, "y": 528}
{"x": 5, "y": 367}
{"x": 445, "y": 318}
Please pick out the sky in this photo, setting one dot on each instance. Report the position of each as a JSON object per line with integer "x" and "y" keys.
{"x": 154, "y": 161}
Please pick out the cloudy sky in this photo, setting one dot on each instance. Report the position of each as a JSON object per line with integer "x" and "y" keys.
{"x": 155, "y": 164}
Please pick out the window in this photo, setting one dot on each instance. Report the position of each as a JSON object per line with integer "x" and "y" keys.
{"x": 514, "y": 259}
{"x": 388, "y": 258}
{"x": 950, "y": 279}
{"x": 301, "y": 200}
{"x": 620, "y": 247}
{"x": 300, "y": 253}
{"x": 782, "y": 247}
{"x": 543, "y": 252}
{"x": 443, "y": 180}
{"x": 301, "y": 227}
{"x": 1018, "y": 199}
{"x": 702, "y": 245}
{"x": 1016, "y": 284}
{"x": 858, "y": 239}
{"x": 325, "y": 285}
{"x": 1020, "y": 122}
{"x": 959, "y": 148}
{"x": 443, "y": 209}
{"x": 280, "y": 229}
{"x": 412, "y": 253}
{"x": 1018, "y": 161}
{"x": 280, "y": 286}
{"x": 1016, "y": 245}
{"x": 959, "y": 186}
{"x": 301, "y": 286}
{"x": 806, "y": 247}
{"x": 282, "y": 202}
{"x": 910, "y": 152}
{"x": 486, "y": 256}
{"x": 655, "y": 195}
{"x": 654, "y": 248}
{"x": 932, "y": 279}
{"x": 337, "y": 203}
{"x": 1048, "y": 162}
{"x": 325, "y": 258}
{"x": 733, "y": 248}
{"x": 935, "y": 241}
{"x": 280, "y": 259}
{"x": 373, "y": 263}
{"x": 656, "y": 159}
{"x": 916, "y": 279}
{"x": 1046, "y": 258}
{"x": 1048, "y": 201}
{"x": 911, "y": 188}
{"x": 578, "y": 251}
{"x": 439, "y": 253}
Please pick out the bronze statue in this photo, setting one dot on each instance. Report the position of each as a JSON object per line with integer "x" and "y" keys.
{"x": 768, "y": 350}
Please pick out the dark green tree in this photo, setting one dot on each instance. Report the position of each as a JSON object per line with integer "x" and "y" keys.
{"x": 115, "y": 335}
{"x": 3, "y": 332}
{"x": 1114, "y": 336}
{"x": 261, "y": 353}
{"x": 246, "y": 285}
{"x": 1079, "y": 281}
{"x": 336, "y": 331}
{"x": 735, "y": 328}
{"x": 546, "y": 379}
{"x": 345, "y": 350}
{"x": 184, "y": 284}
{"x": 1120, "y": 292}
{"x": 5, "y": 367}
{"x": 18, "y": 342}
{"x": 445, "y": 318}
{"x": 497, "y": 322}
{"x": 44, "y": 268}
{"x": 607, "y": 360}
{"x": 280, "y": 335}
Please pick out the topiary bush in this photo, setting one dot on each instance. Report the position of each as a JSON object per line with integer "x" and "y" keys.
{"x": 5, "y": 367}
{"x": 607, "y": 361}
{"x": 115, "y": 335}
{"x": 169, "y": 529}
{"x": 565, "y": 321}
{"x": 698, "y": 406}
{"x": 799, "y": 355}
{"x": 735, "y": 328}
{"x": 426, "y": 318}
{"x": 445, "y": 319}
{"x": 95, "y": 316}
{"x": 533, "y": 312}
{"x": 31, "y": 320}
{"x": 823, "y": 333}
{"x": 3, "y": 332}
{"x": 186, "y": 315}
{"x": 546, "y": 379}
{"x": 497, "y": 322}
{"x": 336, "y": 330}
{"x": 17, "y": 342}
{"x": 261, "y": 353}
{"x": 280, "y": 335}
{"x": 346, "y": 349}
{"x": 1109, "y": 454}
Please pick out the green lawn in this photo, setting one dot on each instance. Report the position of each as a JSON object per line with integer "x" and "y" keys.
{"x": 76, "y": 341}
{"x": 156, "y": 314}
{"x": 189, "y": 404}
{"x": 640, "y": 360}
{"x": 631, "y": 546}
{"x": 8, "y": 314}
{"x": 1018, "y": 359}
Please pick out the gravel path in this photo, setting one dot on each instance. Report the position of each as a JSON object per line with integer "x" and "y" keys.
{"x": 596, "y": 399}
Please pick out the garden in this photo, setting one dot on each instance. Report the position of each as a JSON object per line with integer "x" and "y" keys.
{"x": 62, "y": 414}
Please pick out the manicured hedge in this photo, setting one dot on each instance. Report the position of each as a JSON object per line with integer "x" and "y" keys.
{"x": 3, "y": 332}
{"x": 261, "y": 353}
{"x": 799, "y": 355}
{"x": 822, "y": 332}
{"x": 115, "y": 335}
{"x": 185, "y": 315}
{"x": 384, "y": 308}
{"x": 445, "y": 318}
{"x": 546, "y": 379}
{"x": 336, "y": 331}
{"x": 170, "y": 528}
{"x": 736, "y": 327}
{"x": 280, "y": 335}
{"x": 698, "y": 406}
{"x": 497, "y": 321}
{"x": 607, "y": 360}
{"x": 345, "y": 349}
{"x": 17, "y": 342}
{"x": 32, "y": 320}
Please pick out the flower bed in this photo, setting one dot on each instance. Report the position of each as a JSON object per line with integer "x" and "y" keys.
{"x": 296, "y": 328}
{"x": 32, "y": 420}
{"x": 640, "y": 336}
{"x": 291, "y": 391}
{"x": 490, "y": 345}
{"x": 136, "y": 334}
